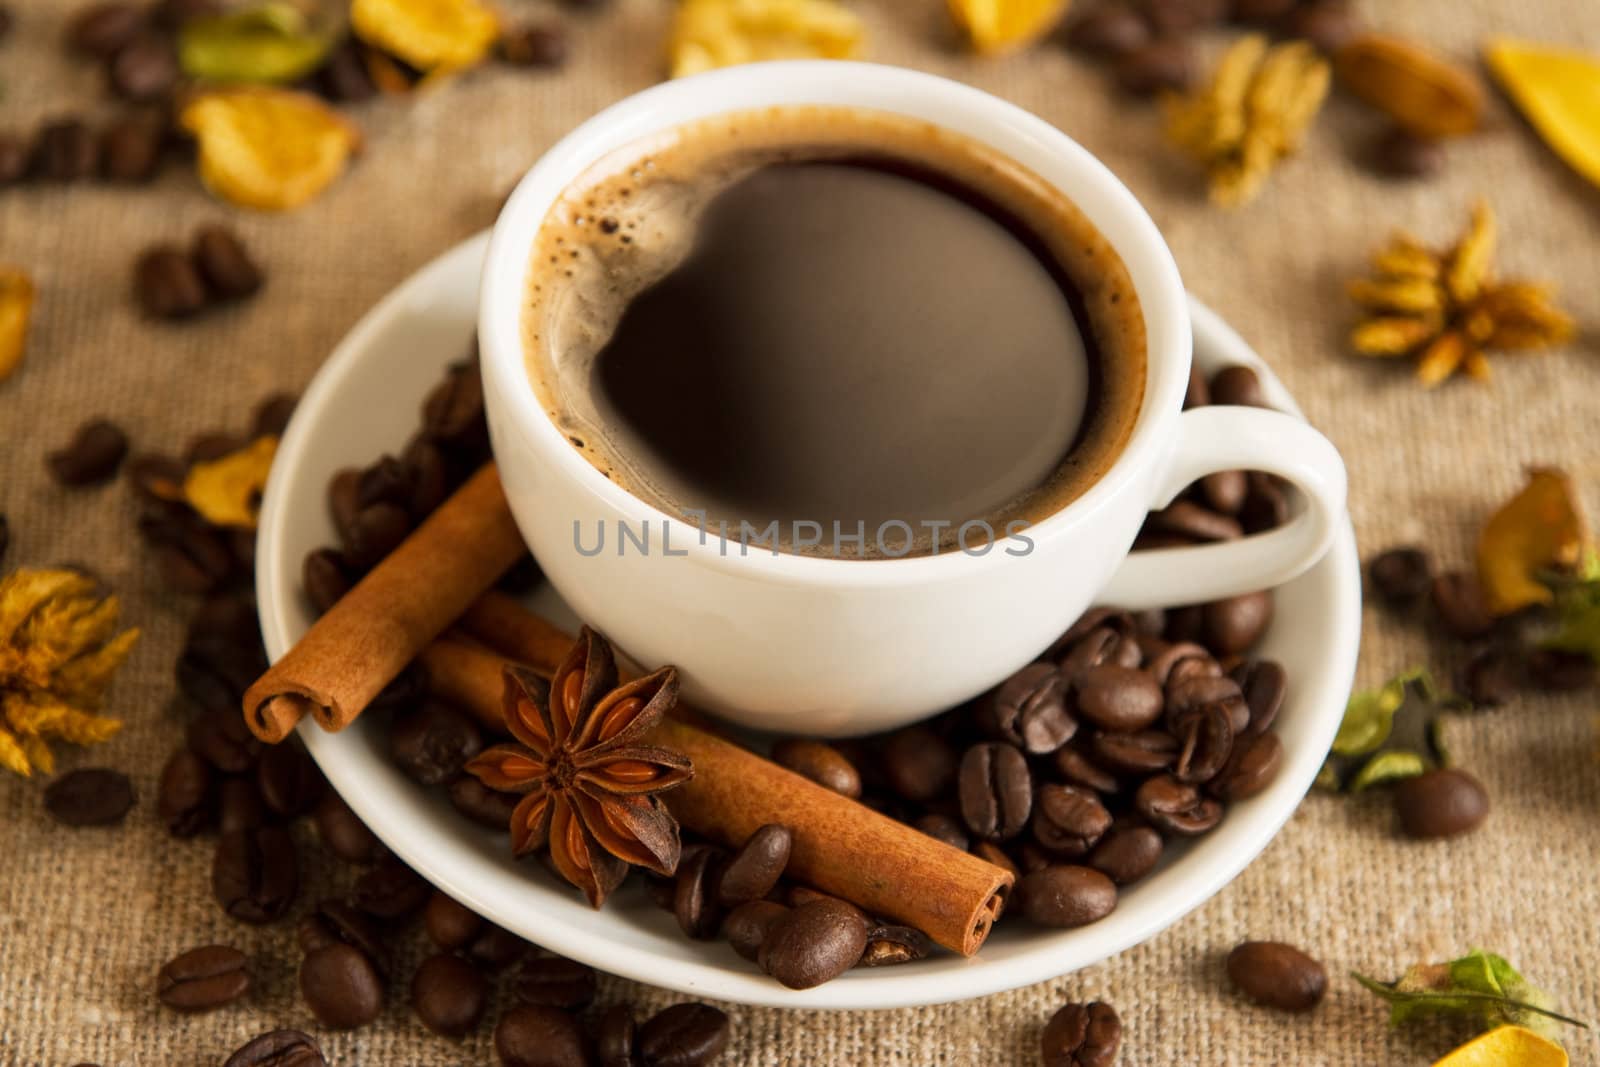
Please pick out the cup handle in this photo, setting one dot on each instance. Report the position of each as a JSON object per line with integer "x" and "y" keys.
{"x": 1220, "y": 438}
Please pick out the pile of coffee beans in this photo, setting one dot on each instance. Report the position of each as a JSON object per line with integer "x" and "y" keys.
{"x": 175, "y": 283}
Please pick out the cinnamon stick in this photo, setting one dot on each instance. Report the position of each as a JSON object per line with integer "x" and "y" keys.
{"x": 378, "y": 627}
{"x": 840, "y": 847}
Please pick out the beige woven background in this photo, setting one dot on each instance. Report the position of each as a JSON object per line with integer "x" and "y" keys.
{"x": 86, "y": 917}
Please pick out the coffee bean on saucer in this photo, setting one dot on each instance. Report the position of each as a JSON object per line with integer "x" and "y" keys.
{"x": 889, "y": 945}
{"x": 325, "y": 578}
{"x": 341, "y": 987}
{"x": 1198, "y": 394}
{"x": 1065, "y": 896}
{"x": 334, "y": 921}
{"x": 995, "y": 790}
{"x": 432, "y": 744}
{"x": 255, "y": 875}
{"x": 228, "y": 270}
{"x": 390, "y": 890}
{"x": 203, "y": 979}
{"x": 1266, "y": 506}
{"x": 684, "y": 1035}
{"x": 239, "y": 806}
{"x": 820, "y": 762}
{"x": 694, "y": 896}
{"x": 385, "y": 482}
{"x": 1441, "y": 803}
{"x": 1109, "y": 31}
{"x": 531, "y": 1036}
{"x": 448, "y": 994}
{"x": 1029, "y": 710}
{"x": 453, "y": 412}
{"x": 1459, "y": 600}
{"x": 945, "y": 828}
{"x": 89, "y": 796}
{"x": 1119, "y": 698}
{"x": 376, "y": 531}
{"x": 428, "y": 476}
{"x": 289, "y": 780}
{"x": 1234, "y": 624}
{"x": 555, "y": 982}
{"x": 343, "y": 833}
{"x": 1164, "y": 63}
{"x": 1176, "y": 807}
{"x": 534, "y": 44}
{"x": 747, "y": 926}
{"x": 1185, "y": 518}
{"x": 1277, "y": 975}
{"x": 450, "y": 925}
{"x": 92, "y": 456}
{"x": 279, "y": 1048}
{"x": 183, "y": 795}
{"x": 814, "y": 943}
{"x": 1126, "y": 854}
{"x": 1142, "y": 752}
{"x": 1068, "y": 821}
{"x": 1252, "y": 766}
{"x": 1265, "y": 684}
{"x": 144, "y": 69}
{"x": 1079, "y": 770}
{"x": 131, "y": 148}
{"x": 167, "y": 284}
{"x": 1082, "y": 1035}
{"x": 756, "y": 867}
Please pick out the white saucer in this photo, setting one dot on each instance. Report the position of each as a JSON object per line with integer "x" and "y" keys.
{"x": 365, "y": 401}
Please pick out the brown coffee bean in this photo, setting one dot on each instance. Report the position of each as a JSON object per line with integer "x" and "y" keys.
{"x": 1458, "y": 599}
{"x": 167, "y": 284}
{"x": 1144, "y": 752}
{"x": 1065, "y": 896}
{"x": 64, "y": 150}
{"x": 1029, "y": 710}
{"x": 279, "y": 1048}
{"x": 385, "y": 482}
{"x": 815, "y": 943}
{"x": 918, "y": 763}
{"x": 1110, "y": 30}
{"x": 1067, "y": 821}
{"x": 144, "y": 69}
{"x": 1101, "y": 645}
{"x": 1238, "y": 385}
{"x": 15, "y": 159}
{"x": 131, "y": 148}
{"x": 335, "y": 922}
{"x": 89, "y": 796}
{"x": 1277, "y": 975}
{"x": 1126, "y": 854}
{"x": 341, "y": 987}
{"x": 100, "y": 30}
{"x": 213, "y": 671}
{"x": 1559, "y": 671}
{"x": 255, "y": 875}
{"x": 993, "y": 854}
{"x": 746, "y": 926}
{"x": 1235, "y": 624}
{"x": 157, "y": 479}
{"x": 889, "y": 945}
{"x": 1205, "y": 741}
{"x": 694, "y": 896}
{"x": 1328, "y": 24}
{"x": 1119, "y": 698}
{"x": 615, "y": 1038}
{"x": 390, "y": 890}
{"x": 1224, "y": 492}
{"x": 1188, "y": 694}
{"x": 453, "y": 413}
{"x": 448, "y": 995}
{"x": 1164, "y": 663}
{"x": 684, "y": 1035}
{"x": 1401, "y": 577}
{"x": 540, "y": 1037}
{"x": 450, "y": 925}
{"x": 535, "y": 44}
{"x": 1176, "y": 807}
{"x": 239, "y": 806}
{"x": 377, "y": 531}
{"x": 1399, "y": 153}
{"x": 1267, "y": 505}
{"x": 343, "y": 833}
{"x": 1188, "y": 519}
{"x": 484, "y": 806}
{"x": 228, "y": 270}
{"x": 1265, "y": 683}
{"x": 944, "y": 828}
{"x": 203, "y": 979}
{"x": 92, "y": 456}
{"x": 1174, "y": 17}
{"x": 324, "y": 578}
{"x": 555, "y": 982}
{"x": 183, "y": 795}
{"x": 996, "y": 790}
{"x": 1166, "y": 63}
{"x": 432, "y": 744}
{"x": 289, "y": 780}
{"x": 1079, "y": 770}
{"x": 1441, "y": 803}
{"x": 1082, "y": 1035}
{"x": 1252, "y": 766}
{"x": 191, "y": 557}
{"x": 822, "y": 763}
{"x": 756, "y": 867}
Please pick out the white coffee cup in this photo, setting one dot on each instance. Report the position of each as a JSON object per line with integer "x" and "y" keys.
{"x": 809, "y": 645}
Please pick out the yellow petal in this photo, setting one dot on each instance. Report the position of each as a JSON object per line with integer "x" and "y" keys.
{"x": 1468, "y": 267}
{"x": 1559, "y": 92}
{"x": 995, "y": 26}
{"x": 1428, "y": 95}
{"x": 38, "y": 753}
{"x": 1391, "y": 336}
{"x": 1441, "y": 359}
{"x": 16, "y": 305}
{"x": 1507, "y": 1046}
{"x": 227, "y": 491}
{"x": 428, "y": 34}
{"x": 1540, "y": 528}
{"x": 1405, "y": 257}
{"x": 1415, "y": 295}
{"x": 722, "y": 33}
{"x": 11, "y": 755}
{"x": 271, "y": 149}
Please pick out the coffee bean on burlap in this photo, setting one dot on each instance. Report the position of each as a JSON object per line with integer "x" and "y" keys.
{"x": 335, "y": 921}
{"x": 343, "y": 833}
{"x": 1162, "y": 64}
{"x": 448, "y": 994}
{"x": 390, "y": 890}
{"x": 1082, "y": 1035}
{"x": 1441, "y": 803}
{"x": 684, "y": 1035}
{"x": 531, "y": 1036}
{"x": 92, "y": 456}
{"x": 89, "y": 796}
{"x": 99, "y": 30}
{"x": 145, "y": 69}
{"x": 450, "y": 924}
{"x": 221, "y": 258}
{"x": 289, "y": 780}
{"x": 203, "y": 979}
{"x": 183, "y": 794}
{"x": 615, "y": 1038}
{"x": 255, "y": 874}
{"x": 167, "y": 284}
{"x": 554, "y": 981}
{"x": 279, "y": 1048}
{"x": 1108, "y": 31}
{"x": 239, "y": 806}
{"x": 340, "y": 986}
{"x": 1277, "y": 975}
{"x": 132, "y": 146}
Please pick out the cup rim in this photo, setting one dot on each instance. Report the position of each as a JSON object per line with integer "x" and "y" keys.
{"x": 1004, "y": 126}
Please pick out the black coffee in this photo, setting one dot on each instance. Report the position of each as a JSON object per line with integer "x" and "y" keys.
{"x": 847, "y": 323}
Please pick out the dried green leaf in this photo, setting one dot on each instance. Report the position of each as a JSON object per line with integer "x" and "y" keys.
{"x": 1386, "y": 768}
{"x": 268, "y": 44}
{"x": 1480, "y": 986}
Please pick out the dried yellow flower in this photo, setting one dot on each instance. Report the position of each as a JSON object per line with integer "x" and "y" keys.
{"x": 1542, "y": 528}
{"x": 16, "y": 306}
{"x": 707, "y": 34}
{"x": 272, "y": 149}
{"x": 1559, "y": 91}
{"x": 431, "y": 35}
{"x": 58, "y": 651}
{"x": 995, "y": 26}
{"x": 1447, "y": 309}
{"x": 227, "y": 491}
{"x": 1254, "y": 113}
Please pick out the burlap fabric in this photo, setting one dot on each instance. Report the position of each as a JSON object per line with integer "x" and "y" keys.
{"x": 86, "y": 917}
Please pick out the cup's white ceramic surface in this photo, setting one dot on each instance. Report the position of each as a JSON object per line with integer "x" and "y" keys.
{"x": 812, "y": 645}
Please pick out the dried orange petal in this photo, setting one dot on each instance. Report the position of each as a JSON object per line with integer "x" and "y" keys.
{"x": 995, "y": 26}
{"x": 1507, "y": 1046}
{"x": 722, "y": 33}
{"x": 271, "y": 149}
{"x": 1559, "y": 91}
{"x": 227, "y": 491}
{"x": 430, "y": 35}
{"x": 1540, "y": 528}
{"x": 1427, "y": 95}
{"x": 16, "y": 306}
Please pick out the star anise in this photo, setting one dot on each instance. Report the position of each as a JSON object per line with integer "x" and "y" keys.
{"x": 588, "y": 783}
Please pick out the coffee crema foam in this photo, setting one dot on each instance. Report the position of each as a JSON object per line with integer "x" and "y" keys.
{"x": 632, "y": 218}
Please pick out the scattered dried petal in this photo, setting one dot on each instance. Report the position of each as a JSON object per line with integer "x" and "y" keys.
{"x": 270, "y": 43}
{"x": 430, "y": 35}
{"x": 1427, "y": 95}
{"x": 271, "y": 149}
{"x": 1556, "y": 89}
{"x": 16, "y": 306}
{"x": 995, "y": 26}
{"x": 1540, "y": 529}
{"x": 722, "y": 33}
{"x": 227, "y": 491}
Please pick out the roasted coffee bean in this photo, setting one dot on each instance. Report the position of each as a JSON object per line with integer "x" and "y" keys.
{"x": 192, "y": 558}
{"x": 279, "y": 1048}
{"x": 239, "y": 806}
{"x": 992, "y": 853}
{"x": 1029, "y": 710}
{"x": 1067, "y": 821}
{"x": 1103, "y": 645}
{"x": 1118, "y": 698}
{"x": 432, "y": 744}
{"x": 15, "y": 159}
{"x": 183, "y": 796}
{"x": 1126, "y": 854}
{"x": 822, "y": 763}
{"x": 1205, "y": 741}
{"x": 1560, "y": 671}
{"x": 1251, "y": 767}
{"x": 448, "y": 994}
{"x": 89, "y": 796}
{"x": 1277, "y": 975}
{"x": 888, "y": 945}
{"x": 1265, "y": 683}
{"x": 385, "y": 482}
{"x": 1236, "y": 623}
{"x": 344, "y": 78}
{"x": 537, "y": 44}
{"x": 167, "y": 284}
{"x": 334, "y": 920}
{"x": 222, "y": 740}
{"x": 131, "y": 148}
{"x": 1401, "y": 577}
{"x": 918, "y": 763}
{"x": 615, "y": 1038}
{"x": 555, "y": 982}
{"x": 1164, "y": 663}
{"x": 1491, "y": 676}
{"x": 145, "y": 69}
{"x": 256, "y": 874}
{"x": 1162, "y": 64}
{"x": 156, "y": 478}
{"x": 228, "y": 270}
{"x": 203, "y": 979}
{"x": 450, "y": 925}
{"x": 1224, "y": 491}
{"x": 100, "y": 30}
{"x": 343, "y": 833}
{"x": 1399, "y": 153}
{"x": 341, "y": 987}
{"x": 289, "y": 781}
{"x": 497, "y": 948}
{"x": 429, "y": 483}
{"x": 1194, "y": 521}
{"x": 484, "y": 806}
{"x": 1082, "y": 1035}
{"x": 944, "y": 828}
{"x": 1079, "y": 770}
{"x": 746, "y": 926}
{"x": 377, "y": 531}
{"x": 1459, "y": 601}
{"x": 1110, "y": 30}
{"x": 815, "y": 943}
{"x": 1065, "y": 896}
{"x": 684, "y": 1035}
{"x": 1144, "y": 752}
{"x": 1328, "y": 24}
{"x": 1189, "y": 694}
{"x": 540, "y": 1037}
{"x": 756, "y": 867}
{"x": 92, "y": 456}
{"x": 1174, "y": 17}
{"x": 1267, "y": 505}
{"x": 453, "y": 413}
{"x": 344, "y": 490}
{"x": 694, "y": 895}
{"x": 64, "y": 150}
{"x": 213, "y": 671}
{"x": 390, "y": 890}
{"x": 1176, "y": 807}
{"x": 1441, "y": 803}
{"x": 1238, "y": 385}
{"x": 996, "y": 790}
{"x": 324, "y": 578}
